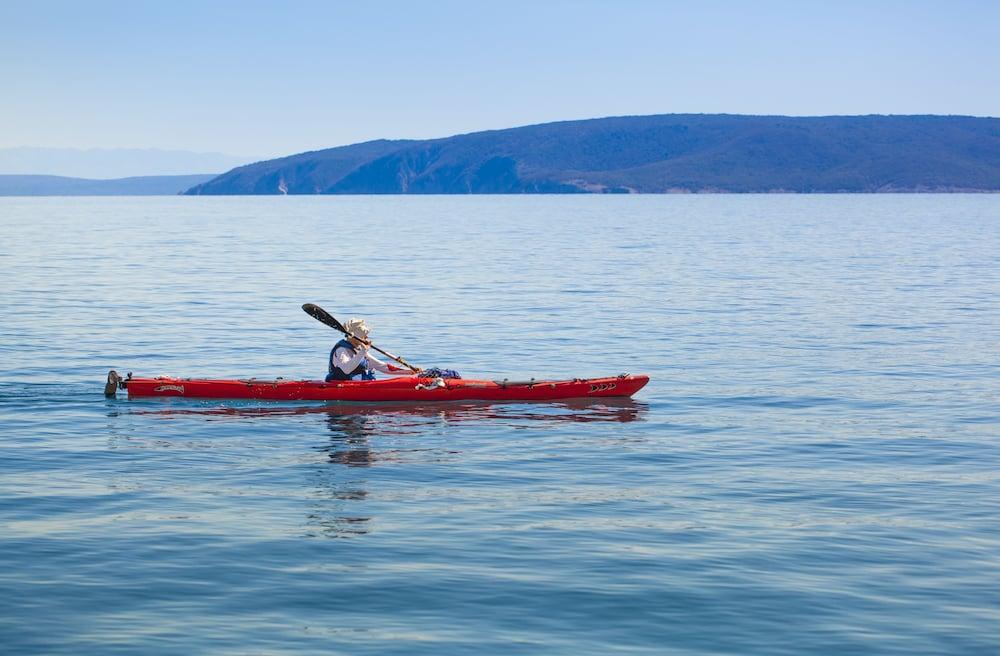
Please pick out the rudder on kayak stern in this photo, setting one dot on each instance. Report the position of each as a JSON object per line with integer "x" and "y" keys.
{"x": 115, "y": 382}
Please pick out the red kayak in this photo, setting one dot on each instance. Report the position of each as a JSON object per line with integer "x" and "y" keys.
{"x": 402, "y": 388}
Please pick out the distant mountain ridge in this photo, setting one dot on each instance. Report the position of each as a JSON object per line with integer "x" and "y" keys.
{"x": 54, "y": 185}
{"x": 652, "y": 154}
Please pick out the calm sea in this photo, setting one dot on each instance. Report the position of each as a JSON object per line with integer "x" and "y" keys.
{"x": 814, "y": 467}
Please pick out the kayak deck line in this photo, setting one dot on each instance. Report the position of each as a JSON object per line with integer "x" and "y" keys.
{"x": 399, "y": 389}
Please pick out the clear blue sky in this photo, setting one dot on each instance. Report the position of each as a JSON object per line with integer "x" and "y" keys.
{"x": 272, "y": 78}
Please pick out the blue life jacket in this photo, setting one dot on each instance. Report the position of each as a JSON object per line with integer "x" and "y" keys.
{"x": 336, "y": 373}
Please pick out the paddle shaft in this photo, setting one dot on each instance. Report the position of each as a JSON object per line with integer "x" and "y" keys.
{"x": 321, "y": 315}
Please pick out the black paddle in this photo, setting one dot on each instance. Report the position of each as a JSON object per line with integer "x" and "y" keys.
{"x": 321, "y": 315}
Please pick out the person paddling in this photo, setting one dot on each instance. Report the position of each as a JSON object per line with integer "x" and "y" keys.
{"x": 350, "y": 358}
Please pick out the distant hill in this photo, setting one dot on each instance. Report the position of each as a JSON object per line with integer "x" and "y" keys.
{"x": 305, "y": 173}
{"x": 653, "y": 154}
{"x": 54, "y": 185}
{"x": 111, "y": 163}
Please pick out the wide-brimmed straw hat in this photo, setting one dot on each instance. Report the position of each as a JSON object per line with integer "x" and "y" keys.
{"x": 357, "y": 328}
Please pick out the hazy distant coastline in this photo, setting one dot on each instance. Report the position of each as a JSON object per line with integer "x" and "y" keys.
{"x": 54, "y": 185}
{"x": 671, "y": 153}
{"x": 113, "y": 163}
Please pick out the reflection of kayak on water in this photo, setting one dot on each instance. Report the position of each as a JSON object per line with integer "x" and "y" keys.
{"x": 399, "y": 389}
{"x": 574, "y": 410}
{"x": 353, "y": 426}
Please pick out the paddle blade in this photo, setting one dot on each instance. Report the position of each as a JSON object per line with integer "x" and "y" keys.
{"x": 321, "y": 315}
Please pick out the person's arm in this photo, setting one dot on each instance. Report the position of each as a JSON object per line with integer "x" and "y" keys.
{"x": 348, "y": 363}
{"x": 385, "y": 367}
